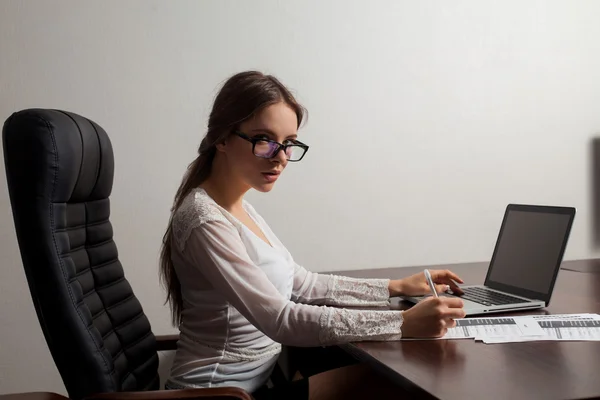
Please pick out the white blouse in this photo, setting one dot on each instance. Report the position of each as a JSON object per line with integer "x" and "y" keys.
{"x": 244, "y": 298}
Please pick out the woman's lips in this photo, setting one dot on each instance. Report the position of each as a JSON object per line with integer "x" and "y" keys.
{"x": 271, "y": 176}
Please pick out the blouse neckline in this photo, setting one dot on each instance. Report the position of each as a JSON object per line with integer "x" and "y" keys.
{"x": 271, "y": 244}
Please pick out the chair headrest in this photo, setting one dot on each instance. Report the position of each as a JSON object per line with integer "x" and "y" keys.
{"x": 75, "y": 166}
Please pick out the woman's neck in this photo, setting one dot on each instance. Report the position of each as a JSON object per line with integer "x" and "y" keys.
{"x": 225, "y": 188}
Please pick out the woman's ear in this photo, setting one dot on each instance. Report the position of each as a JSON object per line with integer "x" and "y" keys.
{"x": 224, "y": 138}
{"x": 221, "y": 145}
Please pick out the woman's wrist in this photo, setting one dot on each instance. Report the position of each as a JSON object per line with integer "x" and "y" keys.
{"x": 395, "y": 287}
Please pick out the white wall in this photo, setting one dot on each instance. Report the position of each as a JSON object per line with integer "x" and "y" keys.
{"x": 426, "y": 119}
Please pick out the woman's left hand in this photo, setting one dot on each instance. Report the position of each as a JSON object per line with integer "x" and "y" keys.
{"x": 416, "y": 285}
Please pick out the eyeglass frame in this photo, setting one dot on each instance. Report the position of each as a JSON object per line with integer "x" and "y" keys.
{"x": 279, "y": 148}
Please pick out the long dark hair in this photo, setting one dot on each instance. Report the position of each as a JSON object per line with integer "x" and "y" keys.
{"x": 240, "y": 97}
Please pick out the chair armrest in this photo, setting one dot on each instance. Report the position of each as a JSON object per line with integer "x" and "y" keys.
{"x": 166, "y": 342}
{"x": 222, "y": 393}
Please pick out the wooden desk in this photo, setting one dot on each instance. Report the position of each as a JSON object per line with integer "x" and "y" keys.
{"x": 592, "y": 266}
{"x": 464, "y": 369}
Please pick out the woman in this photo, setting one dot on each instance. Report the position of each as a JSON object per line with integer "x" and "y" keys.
{"x": 236, "y": 293}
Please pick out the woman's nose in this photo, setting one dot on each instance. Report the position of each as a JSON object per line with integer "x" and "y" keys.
{"x": 280, "y": 157}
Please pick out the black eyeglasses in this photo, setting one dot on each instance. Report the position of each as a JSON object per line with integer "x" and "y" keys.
{"x": 267, "y": 148}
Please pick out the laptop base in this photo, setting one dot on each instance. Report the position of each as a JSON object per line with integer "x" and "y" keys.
{"x": 473, "y": 308}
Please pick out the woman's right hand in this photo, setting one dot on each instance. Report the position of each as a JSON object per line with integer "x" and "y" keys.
{"x": 432, "y": 317}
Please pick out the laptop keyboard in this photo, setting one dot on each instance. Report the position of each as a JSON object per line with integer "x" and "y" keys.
{"x": 488, "y": 297}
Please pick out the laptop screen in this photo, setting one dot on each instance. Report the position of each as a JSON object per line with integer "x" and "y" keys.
{"x": 529, "y": 250}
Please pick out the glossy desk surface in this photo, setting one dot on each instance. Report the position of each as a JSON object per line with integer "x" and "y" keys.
{"x": 465, "y": 369}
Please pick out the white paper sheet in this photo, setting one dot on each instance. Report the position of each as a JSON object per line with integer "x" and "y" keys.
{"x": 583, "y": 327}
{"x": 567, "y": 328}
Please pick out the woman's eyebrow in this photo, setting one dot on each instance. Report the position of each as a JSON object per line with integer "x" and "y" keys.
{"x": 268, "y": 132}
{"x": 271, "y": 133}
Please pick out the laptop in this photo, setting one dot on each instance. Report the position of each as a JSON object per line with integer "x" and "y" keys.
{"x": 525, "y": 263}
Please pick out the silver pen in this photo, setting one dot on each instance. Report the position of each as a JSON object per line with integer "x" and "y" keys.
{"x": 430, "y": 282}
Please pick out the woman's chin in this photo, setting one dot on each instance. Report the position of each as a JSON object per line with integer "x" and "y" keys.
{"x": 265, "y": 183}
{"x": 264, "y": 187}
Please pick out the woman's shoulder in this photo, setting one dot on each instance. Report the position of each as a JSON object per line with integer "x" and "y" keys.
{"x": 200, "y": 206}
{"x": 197, "y": 208}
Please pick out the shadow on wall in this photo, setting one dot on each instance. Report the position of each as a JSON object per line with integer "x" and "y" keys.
{"x": 595, "y": 191}
{"x": 12, "y": 268}
{"x": 7, "y": 226}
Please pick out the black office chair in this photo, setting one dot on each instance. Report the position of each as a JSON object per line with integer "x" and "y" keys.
{"x": 59, "y": 168}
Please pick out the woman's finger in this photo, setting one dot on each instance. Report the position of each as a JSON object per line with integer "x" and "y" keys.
{"x": 454, "y": 313}
{"x": 446, "y": 275}
{"x": 450, "y": 323}
{"x": 442, "y": 288}
{"x": 455, "y": 288}
{"x": 444, "y": 283}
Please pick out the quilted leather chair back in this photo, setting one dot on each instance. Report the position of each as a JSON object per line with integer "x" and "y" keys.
{"x": 59, "y": 168}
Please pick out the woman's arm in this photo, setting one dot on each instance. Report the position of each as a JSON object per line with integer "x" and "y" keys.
{"x": 336, "y": 290}
{"x": 216, "y": 250}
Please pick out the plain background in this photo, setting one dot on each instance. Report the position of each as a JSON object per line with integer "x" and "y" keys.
{"x": 425, "y": 119}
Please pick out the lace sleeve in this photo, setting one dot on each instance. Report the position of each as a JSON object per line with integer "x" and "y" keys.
{"x": 346, "y": 291}
{"x": 313, "y": 288}
{"x": 340, "y": 325}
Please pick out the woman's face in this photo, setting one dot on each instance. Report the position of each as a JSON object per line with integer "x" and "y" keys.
{"x": 277, "y": 122}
